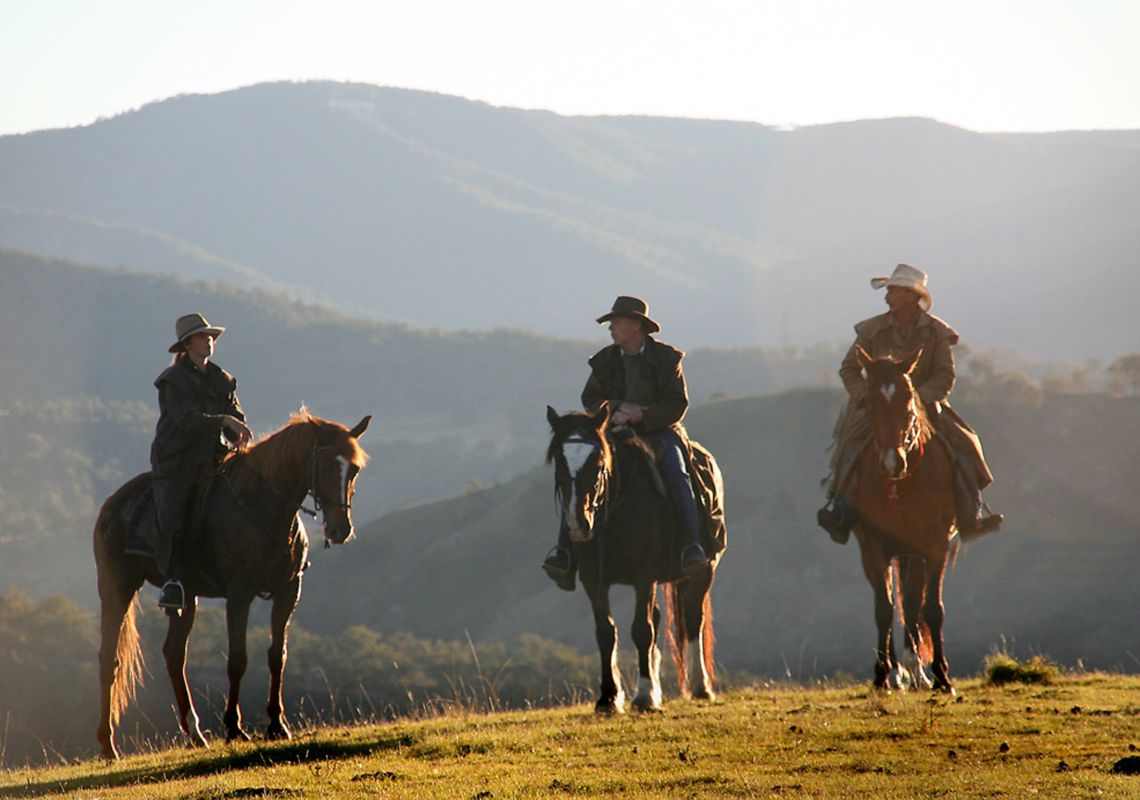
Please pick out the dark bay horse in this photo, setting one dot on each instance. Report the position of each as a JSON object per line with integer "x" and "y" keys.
{"x": 904, "y": 504}
{"x": 249, "y": 543}
{"x": 622, "y": 532}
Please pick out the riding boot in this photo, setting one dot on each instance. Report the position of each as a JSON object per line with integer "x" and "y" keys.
{"x": 975, "y": 518}
{"x": 559, "y": 563}
{"x": 836, "y": 517}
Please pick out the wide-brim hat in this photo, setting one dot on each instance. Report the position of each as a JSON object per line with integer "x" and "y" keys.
{"x": 190, "y": 324}
{"x": 626, "y": 306}
{"x": 907, "y": 277}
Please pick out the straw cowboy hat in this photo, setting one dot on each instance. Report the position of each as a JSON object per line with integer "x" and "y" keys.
{"x": 190, "y": 324}
{"x": 907, "y": 277}
{"x": 626, "y": 306}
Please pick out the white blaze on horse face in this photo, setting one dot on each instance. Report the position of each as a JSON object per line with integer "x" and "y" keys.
{"x": 576, "y": 454}
{"x": 890, "y": 461}
{"x": 888, "y": 391}
{"x": 344, "y": 465}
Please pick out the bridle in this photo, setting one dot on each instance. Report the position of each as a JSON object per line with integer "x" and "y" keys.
{"x": 910, "y": 442}
{"x": 311, "y": 491}
{"x": 599, "y": 506}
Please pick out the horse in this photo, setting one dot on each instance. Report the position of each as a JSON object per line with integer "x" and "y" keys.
{"x": 904, "y": 523}
{"x": 249, "y": 542}
{"x": 622, "y": 532}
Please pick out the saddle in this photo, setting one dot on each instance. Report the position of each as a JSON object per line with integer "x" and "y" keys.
{"x": 707, "y": 482}
{"x": 144, "y": 539}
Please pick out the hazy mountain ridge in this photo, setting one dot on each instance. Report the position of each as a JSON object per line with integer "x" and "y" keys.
{"x": 457, "y": 214}
{"x": 451, "y": 411}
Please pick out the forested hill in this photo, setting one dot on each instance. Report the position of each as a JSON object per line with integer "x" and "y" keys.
{"x": 455, "y": 214}
{"x": 451, "y": 410}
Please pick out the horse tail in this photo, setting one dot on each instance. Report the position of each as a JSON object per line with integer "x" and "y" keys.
{"x": 128, "y": 654}
{"x": 109, "y": 527}
{"x": 675, "y": 629}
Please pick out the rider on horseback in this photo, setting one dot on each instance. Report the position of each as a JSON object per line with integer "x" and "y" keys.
{"x": 644, "y": 383}
{"x": 907, "y": 328}
{"x": 200, "y": 420}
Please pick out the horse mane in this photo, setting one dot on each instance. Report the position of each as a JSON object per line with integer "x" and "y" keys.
{"x": 275, "y": 454}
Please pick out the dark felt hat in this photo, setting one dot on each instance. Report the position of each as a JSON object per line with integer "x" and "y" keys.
{"x": 626, "y": 306}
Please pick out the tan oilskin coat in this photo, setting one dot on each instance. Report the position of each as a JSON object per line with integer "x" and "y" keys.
{"x": 933, "y": 378}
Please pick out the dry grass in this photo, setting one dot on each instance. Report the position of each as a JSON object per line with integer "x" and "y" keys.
{"x": 1055, "y": 740}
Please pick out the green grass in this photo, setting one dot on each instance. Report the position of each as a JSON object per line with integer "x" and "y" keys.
{"x": 1001, "y": 668}
{"x": 1059, "y": 740}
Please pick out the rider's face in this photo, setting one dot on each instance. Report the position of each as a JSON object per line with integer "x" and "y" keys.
{"x": 200, "y": 347}
{"x": 899, "y": 298}
{"x": 626, "y": 332}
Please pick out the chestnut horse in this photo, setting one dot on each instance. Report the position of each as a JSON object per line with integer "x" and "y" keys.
{"x": 622, "y": 532}
{"x": 249, "y": 543}
{"x": 904, "y": 503}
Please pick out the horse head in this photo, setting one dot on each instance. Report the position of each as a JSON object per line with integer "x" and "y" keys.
{"x": 336, "y": 461}
{"x": 583, "y": 463}
{"x": 894, "y": 411}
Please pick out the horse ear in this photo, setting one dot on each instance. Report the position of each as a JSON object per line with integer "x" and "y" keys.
{"x": 863, "y": 357}
{"x": 602, "y": 415}
{"x": 910, "y": 362}
{"x": 552, "y": 417}
{"x": 361, "y": 427}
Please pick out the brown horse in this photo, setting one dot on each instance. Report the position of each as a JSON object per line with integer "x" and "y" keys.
{"x": 622, "y": 532}
{"x": 904, "y": 503}
{"x": 249, "y": 543}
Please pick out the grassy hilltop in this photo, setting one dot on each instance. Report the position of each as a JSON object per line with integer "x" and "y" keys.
{"x": 1055, "y": 740}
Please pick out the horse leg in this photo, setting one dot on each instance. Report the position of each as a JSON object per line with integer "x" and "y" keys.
{"x": 174, "y": 651}
{"x": 237, "y": 619}
{"x": 645, "y": 619}
{"x": 934, "y": 612}
{"x": 611, "y": 697}
{"x": 877, "y": 568}
{"x": 284, "y": 603}
{"x": 697, "y": 609}
{"x": 913, "y": 587}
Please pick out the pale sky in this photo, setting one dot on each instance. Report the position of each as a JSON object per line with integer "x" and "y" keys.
{"x": 986, "y": 65}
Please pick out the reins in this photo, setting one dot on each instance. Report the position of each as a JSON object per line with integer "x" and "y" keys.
{"x": 310, "y": 492}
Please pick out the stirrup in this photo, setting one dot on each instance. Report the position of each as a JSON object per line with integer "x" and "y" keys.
{"x": 559, "y": 565}
{"x": 693, "y": 560}
{"x": 834, "y": 523}
{"x": 173, "y": 596}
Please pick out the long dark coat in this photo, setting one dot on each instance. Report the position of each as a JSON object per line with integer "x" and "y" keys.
{"x": 662, "y": 373}
{"x": 190, "y": 434}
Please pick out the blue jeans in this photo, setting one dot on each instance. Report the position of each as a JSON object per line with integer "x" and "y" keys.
{"x": 675, "y": 472}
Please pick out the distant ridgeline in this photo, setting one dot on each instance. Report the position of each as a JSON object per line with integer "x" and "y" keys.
{"x": 395, "y": 204}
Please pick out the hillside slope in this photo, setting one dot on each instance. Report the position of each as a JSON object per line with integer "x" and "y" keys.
{"x": 787, "y": 600}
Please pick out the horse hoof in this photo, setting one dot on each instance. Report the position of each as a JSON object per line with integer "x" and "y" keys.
{"x": 646, "y": 706}
{"x": 946, "y": 689}
{"x": 237, "y": 734}
{"x": 705, "y": 694}
{"x": 608, "y": 709}
{"x": 277, "y": 732}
